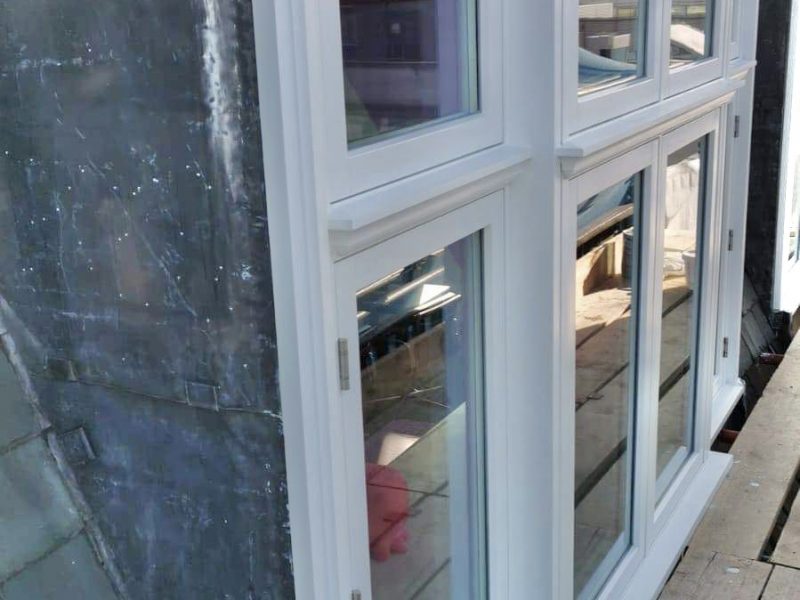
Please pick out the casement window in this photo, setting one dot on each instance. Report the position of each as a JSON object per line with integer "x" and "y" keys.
{"x": 683, "y": 283}
{"x": 688, "y": 255}
{"x": 641, "y": 280}
{"x": 694, "y": 31}
{"x": 503, "y": 245}
{"x": 632, "y": 53}
{"x": 607, "y": 300}
{"x": 614, "y": 68}
{"x": 608, "y": 218}
{"x": 422, "y": 414}
{"x": 406, "y": 86}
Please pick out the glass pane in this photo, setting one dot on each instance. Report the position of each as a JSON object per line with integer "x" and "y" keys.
{"x": 611, "y": 37}
{"x": 690, "y": 31}
{"x": 685, "y": 191}
{"x": 422, "y": 395}
{"x": 606, "y": 298}
{"x": 407, "y": 63}
{"x": 736, "y": 16}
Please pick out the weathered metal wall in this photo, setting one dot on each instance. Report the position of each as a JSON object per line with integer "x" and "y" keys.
{"x": 135, "y": 281}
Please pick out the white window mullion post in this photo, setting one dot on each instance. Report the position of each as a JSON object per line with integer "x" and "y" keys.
{"x": 653, "y": 327}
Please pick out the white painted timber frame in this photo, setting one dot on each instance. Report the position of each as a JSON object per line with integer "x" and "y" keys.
{"x": 650, "y": 517}
{"x": 786, "y": 287}
{"x": 704, "y": 321}
{"x": 728, "y": 386}
{"x": 583, "y": 111}
{"x": 349, "y": 171}
{"x": 685, "y": 77}
{"x": 515, "y": 164}
{"x": 484, "y": 216}
{"x": 641, "y": 160}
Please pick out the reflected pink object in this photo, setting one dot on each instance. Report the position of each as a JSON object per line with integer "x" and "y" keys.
{"x": 387, "y": 510}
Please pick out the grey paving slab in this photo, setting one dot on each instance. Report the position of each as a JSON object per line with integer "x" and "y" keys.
{"x": 783, "y": 584}
{"x": 705, "y": 575}
{"x": 36, "y": 511}
{"x": 787, "y": 551}
{"x": 766, "y": 457}
{"x": 72, "y": 572}
{"x": 16, "y": 415}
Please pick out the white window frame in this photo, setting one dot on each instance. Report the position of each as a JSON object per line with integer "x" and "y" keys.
{"x": 307, "y": 243}
{"x": 686, "y": 77}
{"x": 651, "y": 516}
{"x": 356, "y": 272}
{"x": 735, "y": 29}
{"x": 642, "y": 159}
{"x": 705, "y": 321}
{"x": 747, "y": 31}
{"x": 786, "y": 287}
{"x": 348, "y": 171}
{"x": 728, "y": 387}
{"x": 583, "y": 111}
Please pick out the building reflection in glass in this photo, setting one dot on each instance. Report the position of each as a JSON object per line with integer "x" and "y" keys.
{"x": 407, "y": 63}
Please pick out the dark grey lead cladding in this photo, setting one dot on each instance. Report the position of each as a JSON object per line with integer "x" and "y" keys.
{"x": 135, "y": 279}
{"x": 188, "y": 499}
{"x": 133, "y": 227}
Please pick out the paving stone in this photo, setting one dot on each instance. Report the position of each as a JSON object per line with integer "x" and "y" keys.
{"x": 36, "y": 511}
{"x": 783, "y": 584}
{"x": 70, "y": 573}
{"x": 706, "y": 575}
{"x": 17, "y": 415}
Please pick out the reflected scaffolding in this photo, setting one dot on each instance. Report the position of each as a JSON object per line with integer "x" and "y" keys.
{"x": 421, "y": 347}
{"x": 610, "y": 43}
{"x": 605, "y": 318}
{"x": 690, "y": 31}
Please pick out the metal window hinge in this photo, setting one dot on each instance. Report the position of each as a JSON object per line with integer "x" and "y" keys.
{"x": 730, "y": 240}
{"x": 736, "y": 121}
{"x": 725, "y": 344}
{"x": 344, "y": 368}
{"x": 355, "y": 595}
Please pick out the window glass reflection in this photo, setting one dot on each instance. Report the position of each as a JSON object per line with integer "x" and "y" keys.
{"x": 690, "y": 31}
{"x": 685, "y": 191}
{"x": 407, "y": 63}
{"x": 610, "y": 43}
{"x": 606, "y": 299}
{"x": 421, "y": 348}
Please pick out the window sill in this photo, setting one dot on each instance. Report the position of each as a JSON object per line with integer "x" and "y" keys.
{"x": 586, "y": 149}
{"x": 740, "y": 67}
{"x": 370, "y": 217}
{"x": 724, "y": 401}
{"x": 654, "y": 570}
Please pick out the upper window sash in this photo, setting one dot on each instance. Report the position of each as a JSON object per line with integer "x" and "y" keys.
{"x": 361, "y": 159}
{"x": 682, "y": 31}
{"x": 592, "y": 93}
